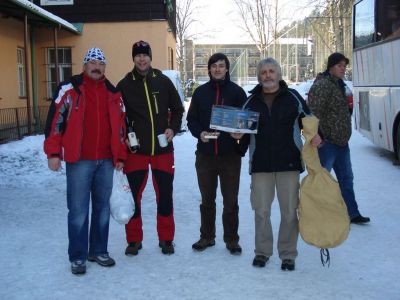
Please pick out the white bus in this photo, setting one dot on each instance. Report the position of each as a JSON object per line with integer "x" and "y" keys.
{"x": 376, "y": 71}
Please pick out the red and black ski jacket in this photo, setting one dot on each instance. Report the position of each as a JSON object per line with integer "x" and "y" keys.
{"x": 70, "y": 137}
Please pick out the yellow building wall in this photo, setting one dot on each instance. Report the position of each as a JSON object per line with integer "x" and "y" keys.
{"x": 11, "y": 38}
{"x": 115, "y": 39}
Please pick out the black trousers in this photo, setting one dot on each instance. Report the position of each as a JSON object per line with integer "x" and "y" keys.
{"x": 227, "y": 168}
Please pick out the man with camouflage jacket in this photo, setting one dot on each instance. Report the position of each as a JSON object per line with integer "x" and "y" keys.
{"x": 327, "y": 100}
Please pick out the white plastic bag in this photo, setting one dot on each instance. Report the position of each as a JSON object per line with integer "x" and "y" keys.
{"x": 121, "y": 201}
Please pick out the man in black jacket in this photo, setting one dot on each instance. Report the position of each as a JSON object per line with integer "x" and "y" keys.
{"x": 216, "y": 157}
{"x": 275, "y": 162}
{"x": 153, "y": 108}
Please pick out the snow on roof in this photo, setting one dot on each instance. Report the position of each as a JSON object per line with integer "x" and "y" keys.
{"x": 45, "y": 14}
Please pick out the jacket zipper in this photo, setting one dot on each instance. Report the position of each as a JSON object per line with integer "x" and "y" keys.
{"x": 151, "y": 115}
{"x": 98, "y": 120}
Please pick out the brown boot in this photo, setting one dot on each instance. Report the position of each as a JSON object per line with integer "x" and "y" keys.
{"x": 133, "y": 248}
{"x": 167, "y": 247}
{"x": 234, "y": 248}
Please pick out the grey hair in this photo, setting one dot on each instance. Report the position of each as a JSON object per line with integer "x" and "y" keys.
{"x": 269, "y": 61}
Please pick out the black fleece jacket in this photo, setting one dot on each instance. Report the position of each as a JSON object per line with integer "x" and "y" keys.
{"x": 277, "y": 145}
{"x": 223, "y": 92}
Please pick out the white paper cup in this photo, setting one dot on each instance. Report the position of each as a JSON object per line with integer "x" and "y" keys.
{"x": 162, "y": 140}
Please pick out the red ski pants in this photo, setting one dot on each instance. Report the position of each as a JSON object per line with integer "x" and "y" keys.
{"x": 162, "y": 169}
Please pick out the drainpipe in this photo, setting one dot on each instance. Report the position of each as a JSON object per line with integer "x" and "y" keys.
{"x": 56, "y": 56}
{"x": 34, "y": 81}
{"x": 28, "y": 97}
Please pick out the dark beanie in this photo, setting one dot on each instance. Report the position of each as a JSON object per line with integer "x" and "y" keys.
{"x": 141, "y": 47}
{"x": 336, "y": 58}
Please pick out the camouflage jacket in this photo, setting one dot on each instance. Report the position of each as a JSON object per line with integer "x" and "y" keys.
{"x": 328, "y": 103}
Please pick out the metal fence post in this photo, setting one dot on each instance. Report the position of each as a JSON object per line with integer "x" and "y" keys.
{"x": 18, "y": 125}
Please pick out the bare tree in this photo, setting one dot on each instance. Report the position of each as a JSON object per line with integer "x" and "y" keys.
{"x": 275, "y": 24}
{"x": 256, "y": 18}
{"x": 331, "y": 29}
{"x": 338, "y": 13}
{"x": 184, "y": 19}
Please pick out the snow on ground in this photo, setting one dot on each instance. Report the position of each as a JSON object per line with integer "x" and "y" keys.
{"x": 302, "y": 87}
{"x": 33, "y": 242}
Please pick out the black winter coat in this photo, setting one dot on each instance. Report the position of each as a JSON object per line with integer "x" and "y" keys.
{"x": 213, "y": 92}
{"x": 277, "y": 145}
{"x": 153, "y": 105}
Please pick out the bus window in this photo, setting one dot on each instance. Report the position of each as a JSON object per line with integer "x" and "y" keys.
{"x": 364, "y": 23}
{"x": 390, "y": 23}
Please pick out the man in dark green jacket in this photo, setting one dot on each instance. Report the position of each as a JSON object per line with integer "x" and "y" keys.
{"x": 327, "y": 100}
{"x": 153, "y": 109}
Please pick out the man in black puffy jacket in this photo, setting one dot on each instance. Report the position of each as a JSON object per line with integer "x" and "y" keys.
{"x": 217, "y": 157}
{"x": 275, "y": 162}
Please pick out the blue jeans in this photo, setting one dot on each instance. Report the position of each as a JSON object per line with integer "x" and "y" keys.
{"x": 88, "y": 179}
{"x": 338, "y": 158}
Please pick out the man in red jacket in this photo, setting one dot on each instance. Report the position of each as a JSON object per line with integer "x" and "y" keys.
{"x": 85, "y": 127}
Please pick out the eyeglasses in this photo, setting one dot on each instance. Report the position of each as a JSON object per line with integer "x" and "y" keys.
{"x": 141, "y": 43}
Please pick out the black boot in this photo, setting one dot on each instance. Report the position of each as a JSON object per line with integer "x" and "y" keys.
{"x": 260, "y": 261}
{"x": 360, "y": 220}
{"x": 167, "y": 247}
{"x": 288, "y": 265}
{"x": 203, "y": 244}
{"x": 234, "y": 248}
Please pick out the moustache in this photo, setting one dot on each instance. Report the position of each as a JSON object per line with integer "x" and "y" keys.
{"x": 97, "y": 71}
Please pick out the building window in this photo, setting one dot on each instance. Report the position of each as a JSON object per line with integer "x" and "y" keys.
{"x": 21, "y": 72}
{"x": 64, "y": 68}
{"x": 388, "y": 19}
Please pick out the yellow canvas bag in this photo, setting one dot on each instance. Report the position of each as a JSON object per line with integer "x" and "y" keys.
{"x": 323, "y": 217}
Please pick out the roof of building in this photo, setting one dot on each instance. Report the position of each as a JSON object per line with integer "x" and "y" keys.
{"x": 36, "y": 15}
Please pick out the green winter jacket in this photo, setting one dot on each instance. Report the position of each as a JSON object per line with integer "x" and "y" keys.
{"x": 328, "y": 103}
